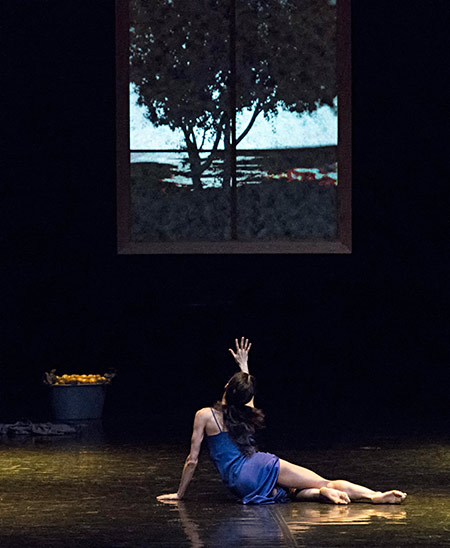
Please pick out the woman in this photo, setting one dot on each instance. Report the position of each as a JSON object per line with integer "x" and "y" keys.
{"x": 257, "y": 477}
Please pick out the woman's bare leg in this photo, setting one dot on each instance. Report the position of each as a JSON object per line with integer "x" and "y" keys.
{"x": 311, "y": 485}
{"x": 363, "y": 494}
{"x": 293, "y": 476}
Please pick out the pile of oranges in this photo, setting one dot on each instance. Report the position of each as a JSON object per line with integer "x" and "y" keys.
{"x": 52, "y": 378}
{"x": 81, "y": 379}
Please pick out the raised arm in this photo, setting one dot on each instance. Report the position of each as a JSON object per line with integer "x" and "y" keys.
{"x": 201, "y": 418}
{"x": 241, "y": 354}
{"x": 241, "y": 358}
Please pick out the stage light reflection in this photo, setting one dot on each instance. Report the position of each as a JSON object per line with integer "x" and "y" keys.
{"x": 65, "y": 492}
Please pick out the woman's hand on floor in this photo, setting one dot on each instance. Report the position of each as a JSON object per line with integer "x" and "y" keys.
{"x": 241, "y": 354}
{"x": 171, "y": 496}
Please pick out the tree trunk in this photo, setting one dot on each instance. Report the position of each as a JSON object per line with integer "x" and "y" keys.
{"x": 195, "y": 163}
{"x": 226, "y": 176}
{"x": 194, "y": 158}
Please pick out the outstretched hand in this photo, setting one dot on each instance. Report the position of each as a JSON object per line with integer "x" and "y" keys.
{"x": 241, "y": 354}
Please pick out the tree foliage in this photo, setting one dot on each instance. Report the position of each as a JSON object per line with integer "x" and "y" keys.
{"x": 180, "y": 64}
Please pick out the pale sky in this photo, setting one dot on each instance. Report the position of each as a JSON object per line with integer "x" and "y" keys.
{"x": 285, "y": 131}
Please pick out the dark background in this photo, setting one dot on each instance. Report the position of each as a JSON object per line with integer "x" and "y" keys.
{"x": 343, "y": 346}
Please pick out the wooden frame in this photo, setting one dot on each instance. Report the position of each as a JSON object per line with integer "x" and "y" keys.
{"x": 343, "y": 243}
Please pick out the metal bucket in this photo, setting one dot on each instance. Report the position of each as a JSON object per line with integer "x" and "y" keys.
{"x": 77, "y": 402}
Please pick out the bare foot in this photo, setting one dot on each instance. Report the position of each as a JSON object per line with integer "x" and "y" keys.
{"x": 389, "y": 497}
{"x": 335, "y": 496}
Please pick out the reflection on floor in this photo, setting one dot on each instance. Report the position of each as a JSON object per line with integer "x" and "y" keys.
{"x": 88, "y": 491}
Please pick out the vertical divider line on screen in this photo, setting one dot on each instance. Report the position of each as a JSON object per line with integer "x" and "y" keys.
{"x": 344, "y": 83}
{"x": 232, "y": 94}
{"x": 123, "y": 189}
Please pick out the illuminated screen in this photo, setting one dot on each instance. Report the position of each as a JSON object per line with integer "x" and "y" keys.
{"x": 233, "y": 120}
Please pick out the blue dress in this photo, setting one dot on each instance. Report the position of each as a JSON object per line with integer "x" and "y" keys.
{"x": 252, "y": 479}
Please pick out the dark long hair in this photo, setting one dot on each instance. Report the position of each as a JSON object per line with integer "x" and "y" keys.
{"x": 241, "y": 420}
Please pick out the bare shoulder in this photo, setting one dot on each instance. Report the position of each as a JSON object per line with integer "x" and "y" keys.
{"x": 203, "y": 415}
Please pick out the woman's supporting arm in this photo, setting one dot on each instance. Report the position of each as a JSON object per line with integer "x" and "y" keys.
{"x": 190, "y": 464}
{"x": 188, "y": 472}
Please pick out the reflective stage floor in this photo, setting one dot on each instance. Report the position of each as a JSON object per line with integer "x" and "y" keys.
{"x": 91, "y": 492}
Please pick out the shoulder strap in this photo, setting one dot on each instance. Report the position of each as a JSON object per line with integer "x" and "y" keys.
{"x": 214, "y": 415}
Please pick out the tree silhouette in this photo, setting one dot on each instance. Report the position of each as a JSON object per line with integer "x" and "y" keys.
{"x": 180, "y": 65}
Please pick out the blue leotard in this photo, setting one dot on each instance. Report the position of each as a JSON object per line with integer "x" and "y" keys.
{"x": 253, "y": 479}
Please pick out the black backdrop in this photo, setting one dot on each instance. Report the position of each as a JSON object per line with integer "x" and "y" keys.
{"x": 342, "y": 344}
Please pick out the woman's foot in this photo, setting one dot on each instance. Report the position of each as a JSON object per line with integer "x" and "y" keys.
{"x": 389, "y": 497}
{"x": 334, "y": 496}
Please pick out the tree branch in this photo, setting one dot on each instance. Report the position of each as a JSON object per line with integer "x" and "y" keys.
{"x": 193, "y": 139}
{"x": 187, "y": 132}
{"x": 212, "y": 155}
{"x": 203, "y": 140}
{"x": 258, "y": 110}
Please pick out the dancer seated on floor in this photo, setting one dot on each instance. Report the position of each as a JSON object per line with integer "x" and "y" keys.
{"x": 253, "y": 476}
